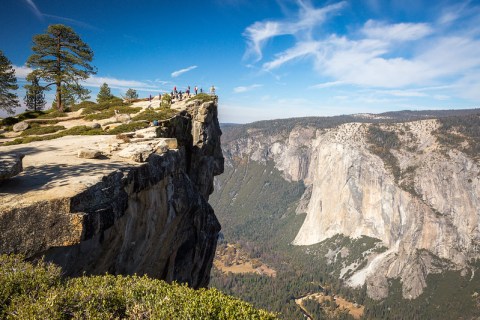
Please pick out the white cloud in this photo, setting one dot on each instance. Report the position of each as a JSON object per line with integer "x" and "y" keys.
{"x": 242, "y": 89}
{"x": 35, "y": 9}
{"x": 182, "y": 71}
{"x": 393, "y": 56}
{"x": 308, "y": 17}
{"x": 326, "y": 85}
{"x": 396, "y": 32}
{"x": 21, "y": 72}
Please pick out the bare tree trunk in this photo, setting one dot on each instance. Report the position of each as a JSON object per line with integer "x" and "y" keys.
{"x": 59, "y": 83}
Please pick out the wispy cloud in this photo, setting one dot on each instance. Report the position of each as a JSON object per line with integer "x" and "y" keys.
{"x": 242, "y": 89}
{"x": 34, "y": 9}
{"x": 326, "y": 85}
{"x": 392, "y": 56}
{"x": 308, "y": 17}
{"x": 71, "y": 21}
{"x": 40, "y": 15}
{"x": 182, "y": 71}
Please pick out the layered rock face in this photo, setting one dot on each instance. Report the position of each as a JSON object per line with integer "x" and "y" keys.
{"x": 428, "y": 217}
{"x": 116, "y": 215}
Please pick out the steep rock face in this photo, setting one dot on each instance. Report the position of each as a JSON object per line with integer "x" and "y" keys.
{"x": 119, "y": 216}
{"x": 428, "y": 217}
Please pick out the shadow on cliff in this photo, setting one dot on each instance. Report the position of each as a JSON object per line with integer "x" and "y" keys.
{"x": 53, "y": 175}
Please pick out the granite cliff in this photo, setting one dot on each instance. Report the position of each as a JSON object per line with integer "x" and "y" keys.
{"x": 140, "y": 208}
{"x": 414, "y": 185}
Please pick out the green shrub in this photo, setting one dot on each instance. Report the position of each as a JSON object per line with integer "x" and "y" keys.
{"x": 78, "y": 130}
{"x": 52, "y": 113}
{"x": 110, "y": 112}
{"x": 128, "y": 127}
{"x": 37, "y": 292}
{"x": 159, "y": 114}
{"x": 204, "y": 97}
{"x": 83, "y": 104}
{"x": 19, "y": 278}
{"x": 41, "y": 130}
{"x": 9, "y": 121}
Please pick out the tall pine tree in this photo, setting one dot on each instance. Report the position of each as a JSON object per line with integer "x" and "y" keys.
{"x": 8, "y": 82}
{"x": 104, "y": 94}
{"x": 62, "y": 59}
{"x": 34, "y": 98}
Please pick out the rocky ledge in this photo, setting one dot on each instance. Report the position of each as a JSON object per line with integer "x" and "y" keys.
{"x": 134, "y": 203}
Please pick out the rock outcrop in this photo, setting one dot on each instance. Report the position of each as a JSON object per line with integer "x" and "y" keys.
{"x": 427, "y": 217}
{"x": 120, "y": 215}
{"x": 10, "y": 165}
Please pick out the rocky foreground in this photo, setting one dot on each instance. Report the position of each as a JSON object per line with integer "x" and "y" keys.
{"x": 135, "y": 203}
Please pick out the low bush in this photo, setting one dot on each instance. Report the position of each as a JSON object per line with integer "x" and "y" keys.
{"x": 78, "y": 130}
{"x": 110, "y": 112}
{"x": 204, "y": 97}
{"x": 53, "y": 113}
{"x": 128, "y": 127}
{"x": 159, "y": 114}
{"x": 37, "y": 130}
{"x": 38, "y": 292}
{"x": 83, "y": 104}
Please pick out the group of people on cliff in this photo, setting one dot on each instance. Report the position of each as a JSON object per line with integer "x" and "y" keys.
{"x": 179, "y": 95}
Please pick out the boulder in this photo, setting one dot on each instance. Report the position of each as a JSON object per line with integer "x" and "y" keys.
{"x": 10, "y": 165}
{"x": 21, "y": 126}
{"x": 166, "y": 144}
{"x": 88, "y": 153}
{"x": 123, "y": 118}
{"x": 136, "y": 152}
{"x": 147, "y": 133}
{"x": 95, "y": 125}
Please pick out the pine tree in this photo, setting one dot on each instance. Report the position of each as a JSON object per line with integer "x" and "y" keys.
{"x": 131, "y": 94}
{"x": 68, "y": 98}
{"x": 62, "y": 59}
{"x": 8, "y": 82}
{"x": 34, "y": 98}
{"x": 104, "y": 94}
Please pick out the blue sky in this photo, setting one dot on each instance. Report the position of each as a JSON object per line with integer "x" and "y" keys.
{"x": 271, "y": 59}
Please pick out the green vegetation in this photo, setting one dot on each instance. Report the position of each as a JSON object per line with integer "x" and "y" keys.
{"x": 204, "y": 97}
{"x": 128, "y": 127}
{"x": 166, "y": 101}
{"x": 83, "y": 104}
{"x": 159, "y": 114}
{"x": 8, "y": 83}
{"x": 66, "y": 63}
{"x": 78, "y": 130}
{"x": 104, "y": 94}
{"x": 38, "y": 292}
{"x": 462, "y": 133}
{"x": 34, "y": 97}
{"x": 38, "y": 130}
{"x": 53, "y": 113}
{"x": 381, "y": 142}
{"x": 131, "y": 94}
{"x": 110, "y": 112}
{"x": 90, "y": 108}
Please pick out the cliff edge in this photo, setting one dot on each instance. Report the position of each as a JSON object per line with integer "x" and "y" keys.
{"x": 140, "y": 208}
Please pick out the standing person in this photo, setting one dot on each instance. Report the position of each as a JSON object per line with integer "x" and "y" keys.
{"x": 150, "y": 98}
{"x": 196, "y": 90}
{"x": 212, "y": 90}
{"x": 175, "y": 89}
{"x": 160, "y": 96}
{"x": 201, "y": 90}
